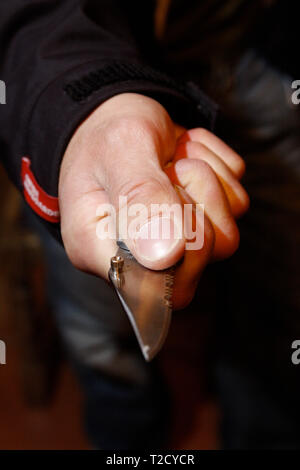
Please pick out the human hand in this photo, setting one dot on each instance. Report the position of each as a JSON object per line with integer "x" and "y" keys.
{"x": 130, "y": 147}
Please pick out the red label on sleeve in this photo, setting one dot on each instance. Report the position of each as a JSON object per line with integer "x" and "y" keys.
{"x": 43, "y": 204}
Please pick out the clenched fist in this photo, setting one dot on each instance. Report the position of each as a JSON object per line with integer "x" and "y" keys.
{"x": 130, "y": 147}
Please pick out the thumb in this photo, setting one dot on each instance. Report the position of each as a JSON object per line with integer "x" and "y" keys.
{"x": 115, "y": 158}
{"x": 149, "y": 214}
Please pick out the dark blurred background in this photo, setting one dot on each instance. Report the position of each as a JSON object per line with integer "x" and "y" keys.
{"x": 40, "y": 398}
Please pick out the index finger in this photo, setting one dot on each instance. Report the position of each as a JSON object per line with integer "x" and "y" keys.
{"x": 232, "y": 159}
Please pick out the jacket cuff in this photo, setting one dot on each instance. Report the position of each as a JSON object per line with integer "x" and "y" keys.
{"x": 67, "y": 101}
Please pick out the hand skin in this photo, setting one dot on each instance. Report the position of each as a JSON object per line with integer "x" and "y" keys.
{"x": 123, "y": 148}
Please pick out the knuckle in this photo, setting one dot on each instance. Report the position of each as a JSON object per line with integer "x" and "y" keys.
{"x": 230, "y": 244}
{"x": 205, "y": 166}
{"x": 192, "y": 171}
{"x": 237, "y": 164}
{"x": 245, "y": 202}
{"x": 194, "y": 165}
{"x": 129, "y": 128}
{"x": 204, "y": 169}
{"x": 142, "y": 188}
{"x": 112, "y": 137}
{"x": 202, "y": 134}
{"x": 183, "y": 298}
{"x": 240, "y": 166}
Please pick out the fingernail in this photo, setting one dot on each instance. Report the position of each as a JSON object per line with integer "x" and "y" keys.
{"x": 157, "y": 238}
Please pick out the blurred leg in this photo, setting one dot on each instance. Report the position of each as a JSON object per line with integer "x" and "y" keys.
{"x": 125, "y": 399}
{"x": 259, "y": 386}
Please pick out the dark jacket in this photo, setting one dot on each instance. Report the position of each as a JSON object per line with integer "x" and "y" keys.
{"x": 60, "y": 59}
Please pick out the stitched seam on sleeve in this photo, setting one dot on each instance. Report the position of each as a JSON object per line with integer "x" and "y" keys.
{"x": 79, "y": 90}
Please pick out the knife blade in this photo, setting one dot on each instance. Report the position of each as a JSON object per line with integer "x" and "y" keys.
{"x": 146, "y": 297}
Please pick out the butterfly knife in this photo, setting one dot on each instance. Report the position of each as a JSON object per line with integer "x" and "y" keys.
{"x": 146, "y": 297}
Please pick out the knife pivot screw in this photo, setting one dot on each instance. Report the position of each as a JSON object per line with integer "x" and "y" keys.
{"x": 117, "y": 264}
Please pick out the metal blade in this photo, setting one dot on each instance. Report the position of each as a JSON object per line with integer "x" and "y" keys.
{"x": 146, "y": 296}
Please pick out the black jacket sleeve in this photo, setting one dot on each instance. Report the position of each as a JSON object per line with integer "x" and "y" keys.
{"x": 60, "y": 59}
